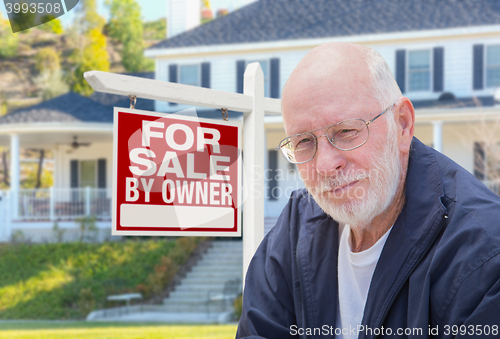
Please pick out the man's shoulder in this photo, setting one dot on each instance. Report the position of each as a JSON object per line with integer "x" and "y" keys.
{"x": 472, "y": 226}
{"x": 470, "y": 198}
{"x": 301, "y": 214}
{"x": 458, "y": 187}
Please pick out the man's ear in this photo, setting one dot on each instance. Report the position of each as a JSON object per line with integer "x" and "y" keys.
{"x": 405, "y": 123}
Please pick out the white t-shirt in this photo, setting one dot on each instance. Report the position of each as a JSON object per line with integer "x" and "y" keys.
{"x": 355, "y": 271}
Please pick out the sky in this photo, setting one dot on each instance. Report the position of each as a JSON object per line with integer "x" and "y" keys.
{"x": 150, "y": 9}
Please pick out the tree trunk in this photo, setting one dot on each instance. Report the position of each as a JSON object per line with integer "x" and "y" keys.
{"x": 40, "y": 168}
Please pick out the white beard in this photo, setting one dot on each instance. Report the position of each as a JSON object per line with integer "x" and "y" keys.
{"x": 362, "y": 207}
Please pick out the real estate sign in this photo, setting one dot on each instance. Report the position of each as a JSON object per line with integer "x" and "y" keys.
{"x": 175, "y": 175}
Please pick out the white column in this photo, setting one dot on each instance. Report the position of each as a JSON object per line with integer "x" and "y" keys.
{"x": 15, "y": 170}
{"x": 438, "y": 135}
{"x": 253, "y": 151}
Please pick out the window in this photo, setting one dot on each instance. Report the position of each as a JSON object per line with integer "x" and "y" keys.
{"x": 189, "y": 75}
{"x": 264, "y": 64}
{"x": 88, "y": 173}
{"x": 91, "y": 173}
{"x": 419, "y": 70}
{"x": 493, "y": 66}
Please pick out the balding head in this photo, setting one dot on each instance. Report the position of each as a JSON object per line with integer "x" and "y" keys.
{"x": 342, "y": 70}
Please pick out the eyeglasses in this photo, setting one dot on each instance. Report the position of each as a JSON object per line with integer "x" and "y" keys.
{"x": 345, "y": 136}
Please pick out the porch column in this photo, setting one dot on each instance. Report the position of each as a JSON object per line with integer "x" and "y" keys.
{"x": 438, "y": 135}
{"x": 15, "y": 170}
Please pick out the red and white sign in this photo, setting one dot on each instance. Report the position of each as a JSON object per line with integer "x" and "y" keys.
{"x": 175, "y": 175}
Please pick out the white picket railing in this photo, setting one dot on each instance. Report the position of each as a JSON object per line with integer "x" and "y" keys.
{"x": 63, "y": 203}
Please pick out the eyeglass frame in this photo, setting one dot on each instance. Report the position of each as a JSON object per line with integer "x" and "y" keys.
{"x": 279, "y": 147}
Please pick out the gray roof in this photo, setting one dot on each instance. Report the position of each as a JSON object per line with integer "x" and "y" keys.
{"x": 448, "y": 100}
{"x": 70, "y": 107}
{"x": 73, "y": 107}
{"x": 272, "y": 20}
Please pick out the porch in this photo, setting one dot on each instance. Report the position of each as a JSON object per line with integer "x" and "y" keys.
{"x": 58, "y": 204}
{"x": 34, "y": 212}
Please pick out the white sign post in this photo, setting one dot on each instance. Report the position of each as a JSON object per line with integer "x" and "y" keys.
{"x": 253, "y": 105}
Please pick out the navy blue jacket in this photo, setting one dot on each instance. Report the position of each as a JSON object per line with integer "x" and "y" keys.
{"x": 439, "y": 267}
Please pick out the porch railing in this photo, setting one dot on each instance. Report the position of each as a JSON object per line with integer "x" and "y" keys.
{"x": 63, "y": 203}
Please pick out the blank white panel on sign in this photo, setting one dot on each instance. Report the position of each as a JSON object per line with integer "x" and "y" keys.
{"x": 140, "y": 215}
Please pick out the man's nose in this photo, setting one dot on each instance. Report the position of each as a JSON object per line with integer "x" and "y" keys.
{"x": 329, "y": 159}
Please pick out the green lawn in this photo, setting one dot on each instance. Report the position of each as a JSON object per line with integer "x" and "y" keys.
{"x": 85, "y": 330}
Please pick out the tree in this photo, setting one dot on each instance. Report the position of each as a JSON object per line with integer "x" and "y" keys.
{"x": 51, "y": 84}
{"x": 92, "y": 54}
{"x": 87, "y": 16}
{"x": 54, "y": 26}
{"x": 8, "y": 40}
{"x": 155, "y": 30}
{"x": 487, "y": 151}
{"x": 93, "y": 57}
{"x": 125, "y": 25}
{"x": 5, "y": 169}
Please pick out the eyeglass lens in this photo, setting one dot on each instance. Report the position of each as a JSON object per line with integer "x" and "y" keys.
{"x": 345, "y": 135}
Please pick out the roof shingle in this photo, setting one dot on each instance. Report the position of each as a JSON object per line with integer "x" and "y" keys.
{"x": 273, "y": 20}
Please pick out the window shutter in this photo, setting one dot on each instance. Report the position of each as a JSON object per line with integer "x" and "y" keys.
{"x": 240, "y": 72}
{"x": 478, "y": 67}
{"x": 275, "y": 78}
{"x": 172, "y": 77}
{"x": 101, "y": 173}
{"x": 273, "y": 167}
{"x": 205, "y": 74}
{"x": 438, "y": 69}
{"x": 401, "y": 69}
{"x": 74, "y": 173}
{"x": 479, "y": 161}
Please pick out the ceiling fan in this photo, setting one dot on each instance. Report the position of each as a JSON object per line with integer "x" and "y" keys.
{"x": 75, "y": 144}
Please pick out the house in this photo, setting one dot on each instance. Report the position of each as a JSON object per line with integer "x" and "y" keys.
{"x": 445, "y": 55}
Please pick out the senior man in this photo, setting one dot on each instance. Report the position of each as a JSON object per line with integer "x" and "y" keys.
{"x": 391, "y": 238}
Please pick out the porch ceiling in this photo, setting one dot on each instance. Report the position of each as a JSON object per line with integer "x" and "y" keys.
{"x": 51, "y": 135}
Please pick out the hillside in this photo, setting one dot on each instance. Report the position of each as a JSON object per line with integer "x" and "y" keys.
{"x": 17, "y": 74}
{"x": 68, "y": 280}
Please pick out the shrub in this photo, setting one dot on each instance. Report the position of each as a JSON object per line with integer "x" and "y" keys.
{"x": 8, "y": 40}
{"x": 238, "y": 306}
{"x": 47, "y": 59}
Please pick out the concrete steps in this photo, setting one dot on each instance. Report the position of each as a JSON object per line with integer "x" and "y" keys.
{"x": 222, "y": 262}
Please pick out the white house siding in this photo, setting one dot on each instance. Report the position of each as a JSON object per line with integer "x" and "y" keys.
{"x": 459, "y": 65}
{"x": 460, "y": 142}
{"x": 424, "y": 133}
{"x": 288, "y": 61}
{"x": 223, "y": 72}
{"x": 93, "y": 152}
{"x": 161, "y": 73}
